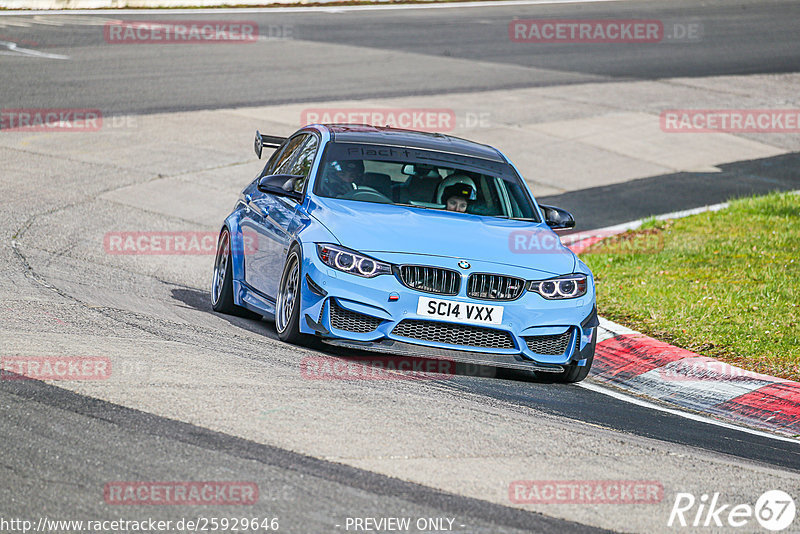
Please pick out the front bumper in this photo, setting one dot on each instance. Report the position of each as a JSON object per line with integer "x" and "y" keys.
{"x": 348, "y": 310}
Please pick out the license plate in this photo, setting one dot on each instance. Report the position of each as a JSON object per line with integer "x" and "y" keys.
{"x": 460, "y": 312}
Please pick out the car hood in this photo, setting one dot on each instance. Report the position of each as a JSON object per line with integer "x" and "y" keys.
{"x": 374, "y": 228}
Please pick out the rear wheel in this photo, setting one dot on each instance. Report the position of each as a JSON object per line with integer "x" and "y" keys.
{"x": 222, "y": 283}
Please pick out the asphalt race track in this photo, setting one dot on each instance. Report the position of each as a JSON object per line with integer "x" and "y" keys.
{"x": 738, "y": 38}
{"x": 199, "y": 396}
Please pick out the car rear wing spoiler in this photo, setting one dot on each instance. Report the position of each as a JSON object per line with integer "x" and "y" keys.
{"x": 268, "y": 141}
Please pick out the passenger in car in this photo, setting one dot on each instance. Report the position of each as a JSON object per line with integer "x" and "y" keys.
{"x": 458, "y": 196}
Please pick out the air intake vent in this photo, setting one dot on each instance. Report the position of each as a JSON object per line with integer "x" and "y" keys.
{"x": 454, "y": 334}
{"x": 351, "y": 321}
{"x": 550, "y": 345}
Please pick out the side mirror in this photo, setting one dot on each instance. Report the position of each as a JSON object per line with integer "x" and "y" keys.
{"x": 281, "y": 185}
{"x": 556, "y": 218}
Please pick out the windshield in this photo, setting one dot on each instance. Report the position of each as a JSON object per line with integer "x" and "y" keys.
{"x": 423, "y": 179}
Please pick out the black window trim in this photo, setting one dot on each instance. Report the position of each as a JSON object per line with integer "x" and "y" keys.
{"x": 313, "y": 133}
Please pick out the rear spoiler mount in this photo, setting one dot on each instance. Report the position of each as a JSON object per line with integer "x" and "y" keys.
{"x": 268, "y": 141}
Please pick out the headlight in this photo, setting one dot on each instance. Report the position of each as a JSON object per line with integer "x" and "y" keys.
{"x": 563, "y": 287}
{"x": 352, "y": 262}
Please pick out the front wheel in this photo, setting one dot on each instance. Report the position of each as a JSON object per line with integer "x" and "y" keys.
{"x": 287, "y": 307}
{"x": 573, "y": 373}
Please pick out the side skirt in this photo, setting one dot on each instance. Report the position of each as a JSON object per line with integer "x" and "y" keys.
{"x": 253, "y": 300}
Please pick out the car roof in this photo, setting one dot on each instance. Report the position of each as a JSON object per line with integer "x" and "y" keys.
{"x": 366, "y": 134}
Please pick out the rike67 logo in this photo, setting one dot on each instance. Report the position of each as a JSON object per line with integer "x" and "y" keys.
{"x": 774, "y": 510}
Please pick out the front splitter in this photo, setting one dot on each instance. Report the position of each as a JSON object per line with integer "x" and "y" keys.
{"x": 401, "y": 348}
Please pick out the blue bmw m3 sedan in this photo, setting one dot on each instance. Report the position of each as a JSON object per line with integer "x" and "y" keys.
{"x": 409, "y": 243}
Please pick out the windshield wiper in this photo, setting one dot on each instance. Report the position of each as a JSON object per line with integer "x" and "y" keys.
{"x": 530, "y": 219}
{"x": 415, "y": 206}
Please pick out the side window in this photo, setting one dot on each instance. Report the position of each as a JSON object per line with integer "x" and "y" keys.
{"x": 520, "y": 203}
{"x": 271, "y": 162}
{"x": 286, "y": 156}
{"x": 488, "y": 197}
{"x": 302, "y": 164}
{"x": 504, "y": 201}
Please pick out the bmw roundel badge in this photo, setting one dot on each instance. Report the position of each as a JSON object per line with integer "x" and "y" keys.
{"x": 463, "y": 264}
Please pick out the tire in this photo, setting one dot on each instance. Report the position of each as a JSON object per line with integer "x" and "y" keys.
{"x": 287, "y": 305}
{"x": 573, "y": 373}
{"x": 222, "y": 283}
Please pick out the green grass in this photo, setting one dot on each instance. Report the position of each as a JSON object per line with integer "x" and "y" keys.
{"x": 724, "y": 284}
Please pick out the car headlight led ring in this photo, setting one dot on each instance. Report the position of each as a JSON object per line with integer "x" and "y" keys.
{"x": 352, "y": 262}
{"x": 367, "y": 267}
{"x": 562, "y": 287}
{"x": 343, "y": 261}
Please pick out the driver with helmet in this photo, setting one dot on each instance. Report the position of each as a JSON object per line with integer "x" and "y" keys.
{"x": 458, "y": 196}
{"x": 341, "y": 176}
{"x": 457, "y": 192}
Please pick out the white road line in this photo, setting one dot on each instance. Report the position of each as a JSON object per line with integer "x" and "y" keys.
{"x": 614, "y": 330}
{"x": 316, "y": 9}
{"x": 15, "y": 50}
{"x": 633, "y": 225}
{"x": 679, "y": 413}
